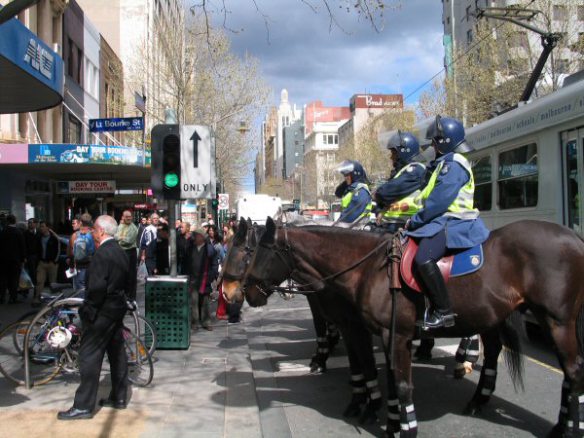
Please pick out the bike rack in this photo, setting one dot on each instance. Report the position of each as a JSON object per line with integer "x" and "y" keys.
{"x": 42, "y": 312}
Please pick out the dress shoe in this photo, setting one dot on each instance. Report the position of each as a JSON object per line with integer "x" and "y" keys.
{"x": 75, "y": 414}
{"x": 116, "y": 404}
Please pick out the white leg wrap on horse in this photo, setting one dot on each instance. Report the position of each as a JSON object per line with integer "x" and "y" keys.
{"x": 357, "y": 377}
{"x": 490, "y": 372}
{"x": 372, "y": 383}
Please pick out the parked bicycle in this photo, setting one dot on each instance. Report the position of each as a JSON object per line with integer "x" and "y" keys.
{"x": 53, "y": 335}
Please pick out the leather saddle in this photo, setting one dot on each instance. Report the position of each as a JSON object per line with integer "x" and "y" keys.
{"x": 454, "y": 265}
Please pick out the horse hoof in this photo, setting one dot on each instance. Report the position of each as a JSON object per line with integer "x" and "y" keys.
{"x": 472, "y": 409}
{"x": 353, "y": 410}
{"x": 317, "y": 366}
{"x": 393, "y": 427}
{"x": 369, "y": 416}
{"x": 556, "y": 432}
{"x": 333, "y": 341}
{"x": 423, "y": 355}
{"x": 462, "y": 370}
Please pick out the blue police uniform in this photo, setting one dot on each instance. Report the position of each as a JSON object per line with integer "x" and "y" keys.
{"x": 428, "y": 222}
{"x": 360, "y": 202}
{"x": 396, "y": 188}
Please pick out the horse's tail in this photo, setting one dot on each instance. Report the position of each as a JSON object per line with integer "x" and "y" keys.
{"x": 511, "y": 332}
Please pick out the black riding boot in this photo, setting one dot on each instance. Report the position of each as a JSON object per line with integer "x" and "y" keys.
{"x": 440, "y": 314}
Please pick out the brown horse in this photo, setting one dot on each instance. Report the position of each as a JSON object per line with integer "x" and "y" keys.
{"x": 536, "y": 264}
{"x": 326, "y": 305}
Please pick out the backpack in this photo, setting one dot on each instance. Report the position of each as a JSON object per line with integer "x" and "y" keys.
{"x": 83, "y": 248}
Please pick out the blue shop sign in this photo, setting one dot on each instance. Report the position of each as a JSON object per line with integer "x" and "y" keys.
{"x": 85, "y": 153}
{"x": 31, "y": 74}
{"x": 119, "y": 124}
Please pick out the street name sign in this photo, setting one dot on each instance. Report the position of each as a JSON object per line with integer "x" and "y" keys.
{"x": 119, "y": 124}
{"x": 197, "y": 162}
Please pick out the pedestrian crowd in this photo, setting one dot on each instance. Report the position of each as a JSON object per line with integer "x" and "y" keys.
{"x": 33, "y": 256}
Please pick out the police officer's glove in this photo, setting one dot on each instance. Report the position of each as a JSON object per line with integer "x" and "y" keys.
{"x": 408, "y": 224}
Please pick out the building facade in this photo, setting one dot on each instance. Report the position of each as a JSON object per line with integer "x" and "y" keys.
{"x": 287, "y": 114}
{"x": 319, "y": 175}
{"x": 365, "y": 107}
{"x": 133, "y": 30}
{"x": 293, "y": 147}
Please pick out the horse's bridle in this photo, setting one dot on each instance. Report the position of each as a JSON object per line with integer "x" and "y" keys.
{"x": 285, "y": 255}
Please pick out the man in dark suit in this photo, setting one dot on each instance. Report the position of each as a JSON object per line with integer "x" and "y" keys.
{"x": 12, "y": 256}
{"x": 102, "y": 313}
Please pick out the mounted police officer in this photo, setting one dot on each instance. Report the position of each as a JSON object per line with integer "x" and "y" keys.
{"x": 354, "y": 192}
{"x": 399, "y": 198}
{"x": 448, "y": 219}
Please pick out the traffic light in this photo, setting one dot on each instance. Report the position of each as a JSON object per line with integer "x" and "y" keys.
{"x": 166, "y": 161}
{"x": 215, "y": 203}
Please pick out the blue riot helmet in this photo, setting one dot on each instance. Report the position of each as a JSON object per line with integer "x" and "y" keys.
{"x": 448, "y": 135}
{"x": 353, "y": 168}
{"x": 405, "y": 144}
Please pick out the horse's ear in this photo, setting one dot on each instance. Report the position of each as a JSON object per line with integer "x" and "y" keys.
{"x": 239, "y": 238}
{"x": 249, "y": 223}
{"x": 269, "y": 236}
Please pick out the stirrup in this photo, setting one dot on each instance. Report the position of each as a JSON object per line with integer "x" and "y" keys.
{"x": 442, "y": 320}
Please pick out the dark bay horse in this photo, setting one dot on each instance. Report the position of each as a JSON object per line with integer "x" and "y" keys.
{"x": 366, "y": 399}
{"x": 536, "y": 264}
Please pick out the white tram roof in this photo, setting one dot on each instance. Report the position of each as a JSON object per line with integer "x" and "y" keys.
{"x": 558, "y": 107}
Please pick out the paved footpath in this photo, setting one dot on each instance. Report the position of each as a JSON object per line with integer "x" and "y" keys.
{"x": 251, "y": 380}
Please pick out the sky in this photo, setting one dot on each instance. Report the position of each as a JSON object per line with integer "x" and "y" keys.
{"x": 301, "y": 53}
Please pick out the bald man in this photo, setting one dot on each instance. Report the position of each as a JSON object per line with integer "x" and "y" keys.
{"x": 102, "y": 314}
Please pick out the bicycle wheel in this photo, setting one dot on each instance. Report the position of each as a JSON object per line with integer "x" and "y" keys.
{"x": 44, "y": 363}
{"x": 139, "y": 324}
{"x": 140, "y": 366}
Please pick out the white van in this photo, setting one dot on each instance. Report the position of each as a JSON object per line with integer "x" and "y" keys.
{"x": 258, "y": 207}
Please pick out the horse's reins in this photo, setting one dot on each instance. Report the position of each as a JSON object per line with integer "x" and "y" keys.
{"x": 288, "y": 249}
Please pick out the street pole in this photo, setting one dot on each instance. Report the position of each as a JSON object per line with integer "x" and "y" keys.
{"x": 170, "y": 116}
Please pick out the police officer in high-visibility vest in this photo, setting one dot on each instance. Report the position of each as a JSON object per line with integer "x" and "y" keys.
{"x": 448, "y": 219}
{"x": 399, "y": 198}
{"x": 354, "y": 192}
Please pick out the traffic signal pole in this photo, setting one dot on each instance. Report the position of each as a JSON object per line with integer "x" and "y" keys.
{"x": 171, "y": 119}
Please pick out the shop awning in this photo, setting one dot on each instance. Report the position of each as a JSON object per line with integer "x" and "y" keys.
{"x": 31, "y": 74}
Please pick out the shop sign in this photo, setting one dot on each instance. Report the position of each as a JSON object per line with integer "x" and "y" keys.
{"x": 85, "y": 153}
{"x": 75, "y": 187}
{"x": 144, "y": 206}
{"x": 58, "y": 153}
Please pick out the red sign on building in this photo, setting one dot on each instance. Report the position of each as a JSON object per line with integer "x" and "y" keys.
{"x": 380, "y": 101}
{"x": 317, "y": 112}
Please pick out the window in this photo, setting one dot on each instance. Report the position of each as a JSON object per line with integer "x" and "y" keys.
{"x": 483, "y": 194}
{"x": 74, "y": 130}
{"x": 448, "y": 21}
{"x": 560, "y": 12}
{"x": 468, "y": 14}
{"x": 580, "y": 13}
{"x": 469, "y": 36}
{"x": 518, "y": 177}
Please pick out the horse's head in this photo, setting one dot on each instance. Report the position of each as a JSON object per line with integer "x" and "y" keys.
{"x": 235, "y": 263}
{"x": 270, "y": 265}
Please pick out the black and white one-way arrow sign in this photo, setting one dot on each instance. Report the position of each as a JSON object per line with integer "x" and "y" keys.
{"x": 195, "y": 138}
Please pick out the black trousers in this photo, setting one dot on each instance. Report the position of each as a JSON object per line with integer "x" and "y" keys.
{"x": 101, "y": 336}
{"x": 133, "y": 272}
{"x": 431, "y": 248}
{"x": 9, "y": 278}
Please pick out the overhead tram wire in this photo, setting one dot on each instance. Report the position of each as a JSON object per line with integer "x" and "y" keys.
{"x": 454, "y": 61}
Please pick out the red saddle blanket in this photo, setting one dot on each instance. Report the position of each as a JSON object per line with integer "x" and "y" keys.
{"x": 407, "y": 262}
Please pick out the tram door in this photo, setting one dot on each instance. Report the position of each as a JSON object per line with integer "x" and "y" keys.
{"x": 573, "y": 160}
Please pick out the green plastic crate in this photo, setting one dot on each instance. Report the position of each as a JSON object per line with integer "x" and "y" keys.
{"x": 168, "y": 306}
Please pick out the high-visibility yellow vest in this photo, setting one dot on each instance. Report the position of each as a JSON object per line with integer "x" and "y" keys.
{"x": 346, "y": 200}
{"x": 408, "y": 206}
{"x": 463, "y": 206}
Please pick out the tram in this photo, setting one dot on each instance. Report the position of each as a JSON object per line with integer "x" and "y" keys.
{"x": 529, "y": 162}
